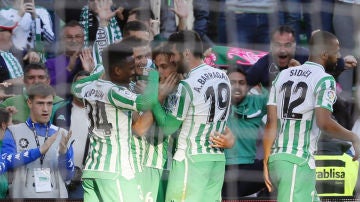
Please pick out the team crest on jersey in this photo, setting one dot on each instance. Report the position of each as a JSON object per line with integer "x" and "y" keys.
{"x": 23, "y": 143}
{"x": 331, "y": 96}
{"x": 171, "y": 102}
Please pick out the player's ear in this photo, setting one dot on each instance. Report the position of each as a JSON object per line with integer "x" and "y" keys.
{"x": 117, "y": 70}
{"x": 324, "y": 54}
{"x": 187, "y": 52}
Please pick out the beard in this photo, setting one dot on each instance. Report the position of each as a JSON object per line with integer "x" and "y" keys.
{"x": 330, "y": 67}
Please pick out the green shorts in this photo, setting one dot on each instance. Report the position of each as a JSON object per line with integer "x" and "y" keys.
{"x": 119, "y": 189}
{"x": 195, "y": 181}
{"x": 293, "y": 182}
{"x": 154, "y": 184}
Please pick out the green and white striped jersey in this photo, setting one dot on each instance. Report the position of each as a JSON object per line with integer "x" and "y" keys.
{"x": 138, "y": 145}
{"x": 202, "y": 103}
{"x": 110, "y": 112}
{"x": 159, "y": 147}
{"x": 296, "y": 92}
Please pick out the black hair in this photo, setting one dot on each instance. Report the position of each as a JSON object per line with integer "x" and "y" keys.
{"x": 81, "y": 73}
{"x": 73, "y": 23}
{"x": 187, "y": 40}
{"x": 282, "y": 30}
{"x": 134, "y": 26}
{"x": 161, "y": 49}
{"x": 116, "y": 54}
{"x": 142, "y": 14}
{"x": 321, "y": 41}
{"x": 4, "y": 116}
{"x": 236, "y": 68}
{"x": 36, "y": 66}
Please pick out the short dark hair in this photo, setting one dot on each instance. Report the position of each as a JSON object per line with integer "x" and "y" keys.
{"x": 73, "y": 23}
{"x": 135, "y": 42}
{"x": 81, "y": 73}
{"x": 161, "y": 49}
{"x": 142, "y": 14}
{"x": 321, "y": 41}
{"x": 236, "y": 68}
{"x": 187, "y": 40}
{"x": 36, "y": 66}
{"x": 40, "y": 89}
{"x": 134, "y": 26}
{"x": 115, "y": 55}
{"x": 281, "y": 30}
{"x": 4, "y": 116}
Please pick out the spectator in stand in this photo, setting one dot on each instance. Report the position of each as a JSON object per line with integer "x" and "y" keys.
{"x": 73, "y": 59}
{"x": 11, "y": 70}
{"x": 74, "y": 117}
{"x": 296, "y": 14}
{"x": 247, "y": 24}
{"x": 35, "y": 27}
{"x": 38, "y": 174}
{"x": 163, "y": 19}
{"x": 5, "y": 121}
{"x": 138, "y": 29}
{"x": 99, "y": 13}
{"x": 33, "y": 73}
{"x": 284, "y": 53}
{"x": 172, "y": 16}
{"x": 243, "y": 174}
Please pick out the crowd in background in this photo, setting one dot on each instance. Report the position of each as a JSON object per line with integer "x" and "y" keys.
{"x": 59, "y": 42}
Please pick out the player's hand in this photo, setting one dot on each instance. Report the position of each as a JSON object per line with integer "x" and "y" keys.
{"x": 350, "y": 62}
{"x": 140, "y": 86}
{"x": 356, "y": 145}
{"x": 168, "y": 85}
{"x": 267, "y": 176}
{"x": 225, "y": 141}
{"x": 64, "y": 141}
{"x": 87, "y": 59}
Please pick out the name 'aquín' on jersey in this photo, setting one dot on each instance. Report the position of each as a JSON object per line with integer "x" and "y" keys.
{"x": 94, "y": 93}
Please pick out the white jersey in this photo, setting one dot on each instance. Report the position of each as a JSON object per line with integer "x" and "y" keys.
{"x": 202, "y": 103}
{"x": 296, "y": 92}
{"x": 110, "y": 114}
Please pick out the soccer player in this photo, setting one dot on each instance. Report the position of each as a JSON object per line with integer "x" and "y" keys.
{"x": 109, "y": 173}
{"x": 201, "y": 106}
{"x": 300, "y": 103}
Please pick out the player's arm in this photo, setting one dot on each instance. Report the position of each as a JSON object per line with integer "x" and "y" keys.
{"x": 268, "y": 140}
{"x": 78, "y": 85}
{"x": 142, "y": 122}
{"x": 171, "y": 121}
{"x": 150, "y": 97}
{"x": 224, "y": 140}
{"x": 167, "y": 122}
{"x": 335, "y": 130}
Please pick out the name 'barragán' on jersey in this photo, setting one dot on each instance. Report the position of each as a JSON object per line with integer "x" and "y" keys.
{"x": 208, "y": 76}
